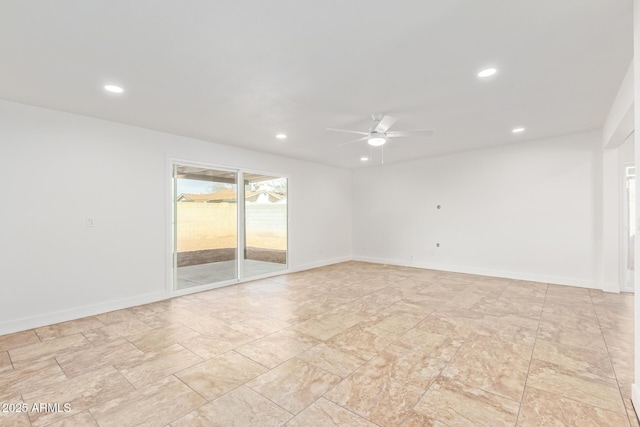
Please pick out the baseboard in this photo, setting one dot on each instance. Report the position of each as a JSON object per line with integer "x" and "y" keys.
{"x": 322, "y": 263}
{"x": 569, "y": 281}
{"x": 77, "y": 313}
{"x": 635, "y": 398}
{"x": 612, "y": 288}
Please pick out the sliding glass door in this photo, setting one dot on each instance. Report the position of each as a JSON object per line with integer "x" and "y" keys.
{"x": 208, "y": 207}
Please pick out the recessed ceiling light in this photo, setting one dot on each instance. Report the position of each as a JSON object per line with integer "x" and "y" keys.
{"x": 517, "y": 130}
{"x": 487, "y": 72}
{"x": 281, "y": 136}
{"x": 113, "y": 89}
{"x": 364, "y": 159}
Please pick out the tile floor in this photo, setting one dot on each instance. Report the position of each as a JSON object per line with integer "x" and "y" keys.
{"x": 352, "y": 344}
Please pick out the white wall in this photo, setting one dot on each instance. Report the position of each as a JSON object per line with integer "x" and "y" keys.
{"x": 528, "y": 210}
{"x": 619, "y": 122}
{"x": 58, "y": 169}
{"x": 636, "y": 79}
{"x": 611, "y": 220}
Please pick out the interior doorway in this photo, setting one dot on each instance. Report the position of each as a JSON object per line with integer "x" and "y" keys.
{"x": 630, "y": 227}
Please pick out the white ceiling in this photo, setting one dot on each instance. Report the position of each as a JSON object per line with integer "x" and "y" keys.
{"x": 238, "y": 72}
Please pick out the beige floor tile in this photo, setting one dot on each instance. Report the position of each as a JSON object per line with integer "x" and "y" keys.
{"x": 622, "y": 321}
{"x": 436, "y": 346}
{"x": 594, "y": 361}
{"x": 371, "y": 304}
{"x": 374, "y": 394}
{"x": 157, "y": 339}
{"x": 619, "y": 340}
{"x": 156, "y": 404}
{"x": 577, "y": 385}
{"x": 361, "y": 342}
{"x": 339, "y": 319}
{"x": 294, "y": 385}
{"x": 32, "y": 376}
{"x": 525, "y": 289}
{"x": 332, "y": 359}
{"x": 390, "y": 332}
{"x": 117, "y": 316}
{"x": 5, "y": 362}
{"x": 114, "y": 331}
{"x": 540, "y": 408}
{"x": 156, "y": 321}
{"x": 19, "y": 339}
{"x": 556, "y": 330}
{"x": 81, "y": 393}
{"x": 258, "y": 327}
{"x": 46, "y": 350}
{"x": 474, "y": 296}
{"x": 89, "y": 359}
{"x": 619, "y": 306}
{"x": 520, "y": 307}
{"x": 569, "y": 292}
{"x": 577, "y": 307}
{"x": 14, "y": 414}
{"x": 68, "y": 328}
{"x": 414, "y": 366}
{"x": 419, "y": 420}
{"x": 633, "y": 417}
{"x": 151, "y": 366}
{"x": 299, "y": 312}
{"x": 316, "y": 329}
{"x": 567, "y": 320}
{"x": 510, "y": 327}
{"x": 442, "y": 290}
{"x": 82, "y": 419}
{"x": 206, "y": 324}
{"x": 208, "y": 345}
{"x": 395, "y": 324}
{"x": 272, "y": 350}
{"x": 323, "y": 413}
{"x": 414, "y": 306}
{"x": 492, "y": 365}
{"x": 458, "y": 405}
{"x": 221, "y": 374}
{"x": 599, "y": 297}
{"x": 626, "y": 379}
{"x": 452, "y": 326}
{"x": 238, "y": 408}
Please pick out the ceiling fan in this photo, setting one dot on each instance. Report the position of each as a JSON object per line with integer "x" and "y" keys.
{"x": 379, "y": 134}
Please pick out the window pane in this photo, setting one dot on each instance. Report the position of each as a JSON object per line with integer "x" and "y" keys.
{"x": 265, "y": 224}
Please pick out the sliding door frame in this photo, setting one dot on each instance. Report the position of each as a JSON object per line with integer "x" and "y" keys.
{"x": 170, "y": 214}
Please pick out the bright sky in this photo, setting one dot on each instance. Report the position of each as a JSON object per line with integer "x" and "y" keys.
{"x": 193, "y": 186}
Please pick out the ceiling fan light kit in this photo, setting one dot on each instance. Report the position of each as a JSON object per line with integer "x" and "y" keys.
{"x": 379, "y": 133}
{"x": 377, "y": 140}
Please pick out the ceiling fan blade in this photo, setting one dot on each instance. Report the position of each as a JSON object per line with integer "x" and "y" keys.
{"x": 404, "y": 133}
{"x": 384, "y": 124}
{"x": 355, "y": 140}
{"x": 349, "y": 131}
